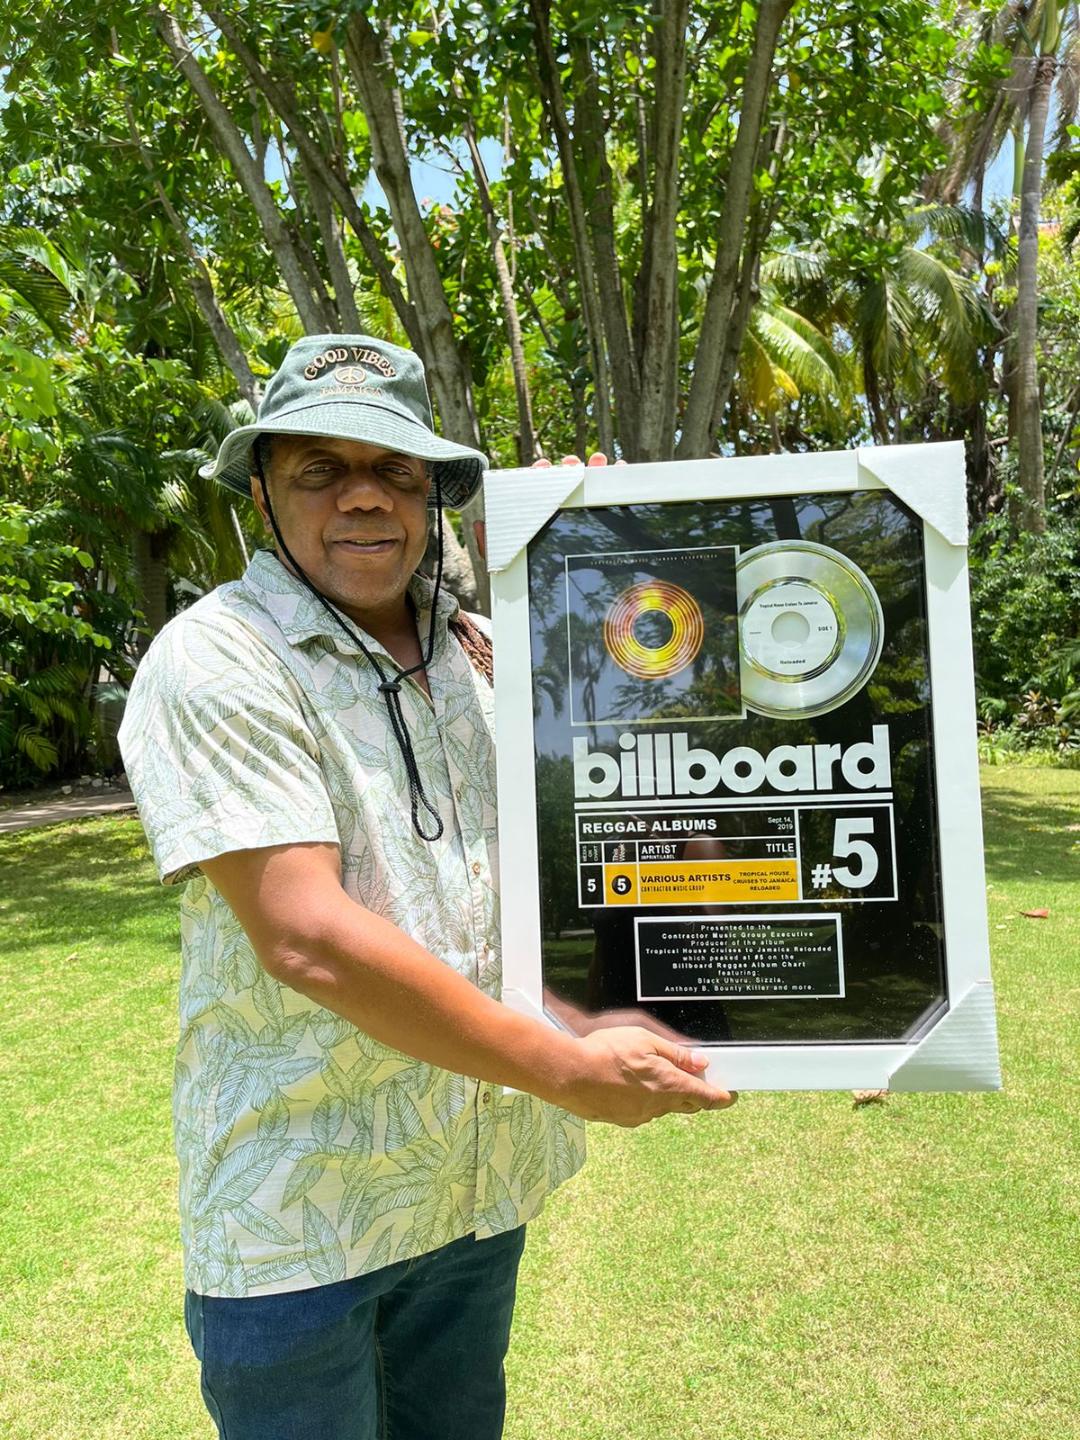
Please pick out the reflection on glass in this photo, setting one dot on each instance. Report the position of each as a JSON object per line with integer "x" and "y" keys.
{"x": 720, "y": 874}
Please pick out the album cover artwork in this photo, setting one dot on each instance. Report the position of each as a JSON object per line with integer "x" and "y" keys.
{"x": 652, "y": 636}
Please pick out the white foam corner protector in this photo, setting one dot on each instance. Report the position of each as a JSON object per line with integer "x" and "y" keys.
{"x": 928, "y": 478}
{"x": 960, "y": 1053}
{"x": 518, "y": 502}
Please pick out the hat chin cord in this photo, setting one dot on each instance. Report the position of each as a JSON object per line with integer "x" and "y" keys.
{"x": 389, "y": 685}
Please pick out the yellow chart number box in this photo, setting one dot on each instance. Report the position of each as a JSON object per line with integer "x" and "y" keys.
{"x": 621, "y": 885}
{"x": 711, "y": 882}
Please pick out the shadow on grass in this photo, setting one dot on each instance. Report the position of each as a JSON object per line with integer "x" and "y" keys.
{"x": 84, "y": 880}
{"x": 1026, "y": 831}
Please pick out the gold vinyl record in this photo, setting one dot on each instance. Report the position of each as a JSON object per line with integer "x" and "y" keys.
{"x": 810, "y": 628}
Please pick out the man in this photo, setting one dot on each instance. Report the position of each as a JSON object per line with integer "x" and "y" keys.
{"x": 310, "y": 749}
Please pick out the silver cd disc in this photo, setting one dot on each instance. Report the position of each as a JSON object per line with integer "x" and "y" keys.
{"x": 810, "y": 628}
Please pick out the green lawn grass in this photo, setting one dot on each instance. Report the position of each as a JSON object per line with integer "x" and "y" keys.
{"x": 796, "y": 1269}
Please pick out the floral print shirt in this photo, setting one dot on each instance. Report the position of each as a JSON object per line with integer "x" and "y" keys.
{"x": 309, "y": 1152}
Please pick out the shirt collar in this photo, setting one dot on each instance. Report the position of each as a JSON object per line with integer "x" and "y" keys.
{"x": 301, "y": 617}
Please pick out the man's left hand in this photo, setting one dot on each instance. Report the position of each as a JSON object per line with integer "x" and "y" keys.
{"x": 596, "y": 458}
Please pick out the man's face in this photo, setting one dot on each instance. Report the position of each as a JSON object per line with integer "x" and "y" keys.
{"x": 355, "y": 518}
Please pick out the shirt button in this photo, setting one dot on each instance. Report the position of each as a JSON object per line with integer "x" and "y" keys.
{"x": 476, "y": 867}
{"x": 486, "y": 1097}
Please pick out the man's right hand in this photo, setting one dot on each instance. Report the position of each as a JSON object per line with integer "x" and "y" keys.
{"x": 629, "y": 1075}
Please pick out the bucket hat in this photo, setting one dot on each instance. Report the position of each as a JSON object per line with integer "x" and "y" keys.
{"x": 352, "y": 387}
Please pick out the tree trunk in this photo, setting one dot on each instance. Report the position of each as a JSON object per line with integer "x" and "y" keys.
{"x": 447, "y": 371}
{"x": 298, "y": 226}
{"x": 971, "y": 421}
{"x": 759, "y": 227}
{"x": 202, "y": 288}
{"x": 590, "y": 137}
{"x": 447, "y": 367}
{"x": 740, "y": 181}
{"x": 459, "y": 576}
{"x": 336, "y": 263}
{"x": 202, "y": 285}
{"x": 659, "y": 359}
{"x": 555, "y": 107}
{"x": 879, "y": 425}
{"x": 231, "y": 144}
{"x": 527, "y": 444}
{"x": 152, "y": 577}
{"x": 733, "y": 340}
{"x": 283, "y": 102}
{"x": 1028, "y": 406}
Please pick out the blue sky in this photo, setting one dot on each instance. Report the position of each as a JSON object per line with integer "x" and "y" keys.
{"x": 434, "y": 179}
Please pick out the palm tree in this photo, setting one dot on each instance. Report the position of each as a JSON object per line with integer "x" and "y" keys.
{"x": 909, "y": 318}
{"x": 1042, "y": 37}
{"x": 786, "y": 360}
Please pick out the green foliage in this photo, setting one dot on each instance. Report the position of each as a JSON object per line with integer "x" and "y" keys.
{"x": 901, "y": 320}
{"x": 90, "y": 462}
{"x": 880, "y": 308}
{"x": 47, "y": 644}
{"x": 1025, "y": 592}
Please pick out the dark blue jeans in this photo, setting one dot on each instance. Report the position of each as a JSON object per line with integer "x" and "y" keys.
{"x": 411, "y": 1352}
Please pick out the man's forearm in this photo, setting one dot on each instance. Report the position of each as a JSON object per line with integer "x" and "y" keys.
{"x": 361, "y": 966}
{"x": 310, "y": 935}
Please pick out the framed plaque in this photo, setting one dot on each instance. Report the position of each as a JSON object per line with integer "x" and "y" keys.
{"x": 738, "y": 790}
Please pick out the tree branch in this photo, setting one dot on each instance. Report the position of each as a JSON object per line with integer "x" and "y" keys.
{"x": 718, "y": 306}
{"x": 366, "y": 61}
{"x": 284, "y": 104}
{"x": 761, "y": 223}
{"x": 660, "y": 356}
{"x": 202, "y": 285}
{"x": 590, "y": 136}
{"x": 446, "y": 362}
{"x": 298, "y": 230}
{"x": 336, "y": 263}
{"x": 555, "y": 108}
{"x": 1028, "y": 401}
{"x": 231, "y": 144}
{"x": 527, "y": 447}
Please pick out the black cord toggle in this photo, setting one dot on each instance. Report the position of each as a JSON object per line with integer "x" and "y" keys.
{"x": 390, "y": 687}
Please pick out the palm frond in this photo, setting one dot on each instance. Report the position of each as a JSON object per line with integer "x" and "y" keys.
{"x": 58, "y": 679}
{"x": 783, "y": 335}
{"x": 38, "y": 289}
{"x": 38, "y": 748}
{"x": 795, "y": 267}
{"x": 757, "y": 377}
{"x": 887, "y": 323}
{"x": 948, "y": 300}
{"x": 36, "y": 246}
{"x": 960, "y": 225}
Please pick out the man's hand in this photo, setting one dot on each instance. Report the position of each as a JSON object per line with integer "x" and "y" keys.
{"x": 598, "y": 458}
{"x": 311, "y": 936}
{"x": 630, "y": 1076}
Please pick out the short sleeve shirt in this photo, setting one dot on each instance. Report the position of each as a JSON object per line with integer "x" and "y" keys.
{"x": 309, "y": 1152}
